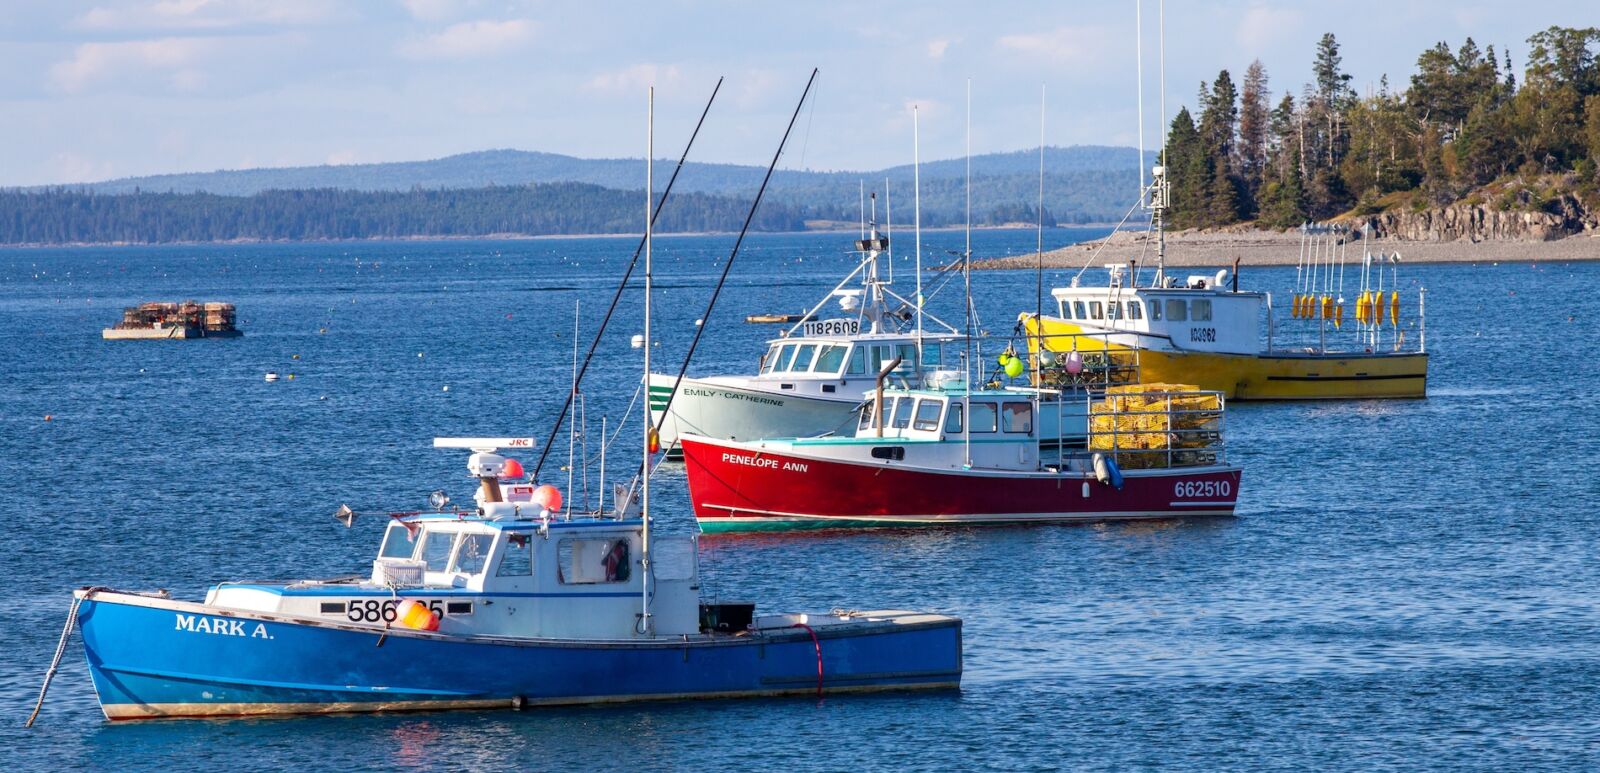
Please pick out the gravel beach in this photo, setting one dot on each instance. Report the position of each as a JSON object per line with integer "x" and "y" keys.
{"x": 1272, "y": 248}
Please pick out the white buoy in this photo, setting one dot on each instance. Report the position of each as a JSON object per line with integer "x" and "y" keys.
{"x": 637, "y": 341}
{"x": 699, "y": 322}
{"x": 272, "y": 375}
{"x": 446, "y": 388}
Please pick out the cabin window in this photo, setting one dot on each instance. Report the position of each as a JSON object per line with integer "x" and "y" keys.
{"x": 784, "y": 355}
{"x": 1066, "y": 309}
{"x": 858, "y": 361}
{"x": 589, "y": 561}
{"x": 1177, "y": 310}
{"x": 802, "y": 357}
{"x": 1018, "y": 417}
{"x": 927, "y": 416}
{"x": 1082, "y": 313}
{"x": 1095, "y": 310}
{"x": 932, "y": 354}
{"x": 1202, "y": 310}
{"x": 902, "y": 412}
{"x": 889, "y": 453}
{"x": 471, "y": 555}
{"x": 829, "y": 360}
{"x": 1135, "y": 311}
{"x": 1113, "y": 310}
{"x": 908, "y": 356}
{"x": 1155, "y": 311}
{"x": 880, "y": 356}
{"x": 436, "y": 549}
{"x": 983, "y": 417}
{"x": 866, "y": 415}
{"x": 398, "y": 542}
{"x": 516, "y": 558}
{"x": 770, "y": 360}
{"x": 952, "y": 420}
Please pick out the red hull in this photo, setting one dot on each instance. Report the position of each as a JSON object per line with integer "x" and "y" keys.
{"x": 735, "y": 487}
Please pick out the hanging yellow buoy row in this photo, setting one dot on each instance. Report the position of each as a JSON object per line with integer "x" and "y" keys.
{"x": 1369, "y": 308}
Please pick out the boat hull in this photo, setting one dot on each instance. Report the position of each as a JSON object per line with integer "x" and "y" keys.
{"x": 725, "y": 411}
{"x": 1270, "y": 375}
{"x": 736, "y": 487}
{"x": 156, "y": 658}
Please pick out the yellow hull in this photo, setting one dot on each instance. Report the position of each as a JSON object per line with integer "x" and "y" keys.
{"x": 1271, "y": 376}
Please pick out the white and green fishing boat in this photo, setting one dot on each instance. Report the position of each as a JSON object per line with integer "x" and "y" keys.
{"x": 813, "y": 376}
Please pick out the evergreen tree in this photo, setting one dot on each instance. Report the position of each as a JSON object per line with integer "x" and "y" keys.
{"x": 1254, "y": 118}
{"x": 1187, "y": 172}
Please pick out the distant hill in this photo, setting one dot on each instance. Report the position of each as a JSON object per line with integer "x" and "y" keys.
{"x": 1084, "y": 183}
{"x": 519, "y": 192}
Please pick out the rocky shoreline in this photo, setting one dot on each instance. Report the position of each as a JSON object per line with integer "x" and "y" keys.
{"x": 1277, "y": 248}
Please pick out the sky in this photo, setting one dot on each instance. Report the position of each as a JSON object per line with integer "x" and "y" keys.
{"x": 99, "y": 89}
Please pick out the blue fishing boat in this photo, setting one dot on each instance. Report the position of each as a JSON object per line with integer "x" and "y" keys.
{"x": 507, "y": 604}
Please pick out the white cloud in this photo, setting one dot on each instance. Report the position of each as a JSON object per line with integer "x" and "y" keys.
{"x": 209, "y": 15}
{"x": 342, "y": 157}
{"x": 1063, "y": 46}
{"x": 434, "y": 10}
{"x": 1261, "y": 26}
{"x": 936, "y": 48}
{"x": 471, "y": 40}
{"x": 175, "y": 59}
{"x": 635, "y": 78}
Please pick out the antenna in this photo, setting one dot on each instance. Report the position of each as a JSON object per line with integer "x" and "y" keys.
{"x": 1038, "y": 312}
{"x": 966, "y": 278}
{"x": 916, "y": 206}
{"x": 649, "y": 426}
{"x": 1138, "y": 68}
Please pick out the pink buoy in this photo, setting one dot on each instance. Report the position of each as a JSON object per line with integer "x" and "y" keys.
{"x": 1074, "y": 362}
{"x": 512, "y": 469}
{"x": 549, "y": 496}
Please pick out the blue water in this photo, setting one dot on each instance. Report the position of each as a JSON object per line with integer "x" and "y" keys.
{"x": 1409, "y": 585}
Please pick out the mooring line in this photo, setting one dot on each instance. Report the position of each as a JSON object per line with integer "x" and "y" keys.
{"x": 61, "y": 649}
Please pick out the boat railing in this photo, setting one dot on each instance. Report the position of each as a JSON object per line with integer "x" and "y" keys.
{"x": 1085, "y": 361}
{"x": 1152, "y": 427}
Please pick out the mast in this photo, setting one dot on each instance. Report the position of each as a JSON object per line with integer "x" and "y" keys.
{"x": 966, "y": 278}
{"x": 650, "y": 430}
{"x": 1038, "y": 310}
{"x": 916, "y": 207}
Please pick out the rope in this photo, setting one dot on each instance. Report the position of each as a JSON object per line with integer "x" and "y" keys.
{"x": 61, "y": 649}
{"x": 1107, "y": 240}
{"x": 818, "y": 645}
{"x": 622, "y": 285}
{"x": 694, "y": 343}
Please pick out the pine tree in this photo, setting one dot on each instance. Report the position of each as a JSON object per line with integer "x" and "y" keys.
{"x": 1187, "y": 171}
{"x": 1254, "y": 116}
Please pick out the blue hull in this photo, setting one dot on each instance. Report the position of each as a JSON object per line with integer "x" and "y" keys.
{"x": 158, "y": 658}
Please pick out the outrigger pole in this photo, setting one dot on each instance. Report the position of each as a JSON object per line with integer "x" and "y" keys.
{"x": 694, "y": 343}
{"x": 650, "y": 441}
{"x": 621, "y": 285}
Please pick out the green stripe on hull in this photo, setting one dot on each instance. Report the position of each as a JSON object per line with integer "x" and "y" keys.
{"x": 730, "y": 525}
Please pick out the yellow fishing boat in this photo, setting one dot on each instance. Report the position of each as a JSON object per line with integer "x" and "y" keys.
{"x": 1203, "y": 331}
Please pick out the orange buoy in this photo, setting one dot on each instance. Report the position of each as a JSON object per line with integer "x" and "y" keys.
{"x": 48, "y": 417}
{"x": 549, "y": 496}
{"x": 1394, "y": 309}
{"x": 654, "y": 441}
{"x": 416, "y": 615}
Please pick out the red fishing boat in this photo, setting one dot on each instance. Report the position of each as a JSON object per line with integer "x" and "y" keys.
{"x": 937, "y": 456}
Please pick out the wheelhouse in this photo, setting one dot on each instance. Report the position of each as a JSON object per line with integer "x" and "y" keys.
{"x": 850, "y": 358}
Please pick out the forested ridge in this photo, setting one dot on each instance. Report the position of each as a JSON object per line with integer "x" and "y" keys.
{"x": 1467, "y": 129}
{"x": 1083, "y": 184}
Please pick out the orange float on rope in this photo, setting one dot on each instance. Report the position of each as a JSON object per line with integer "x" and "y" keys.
{"x": 416, "y": 615}
{"x": 1394, "y": 309}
